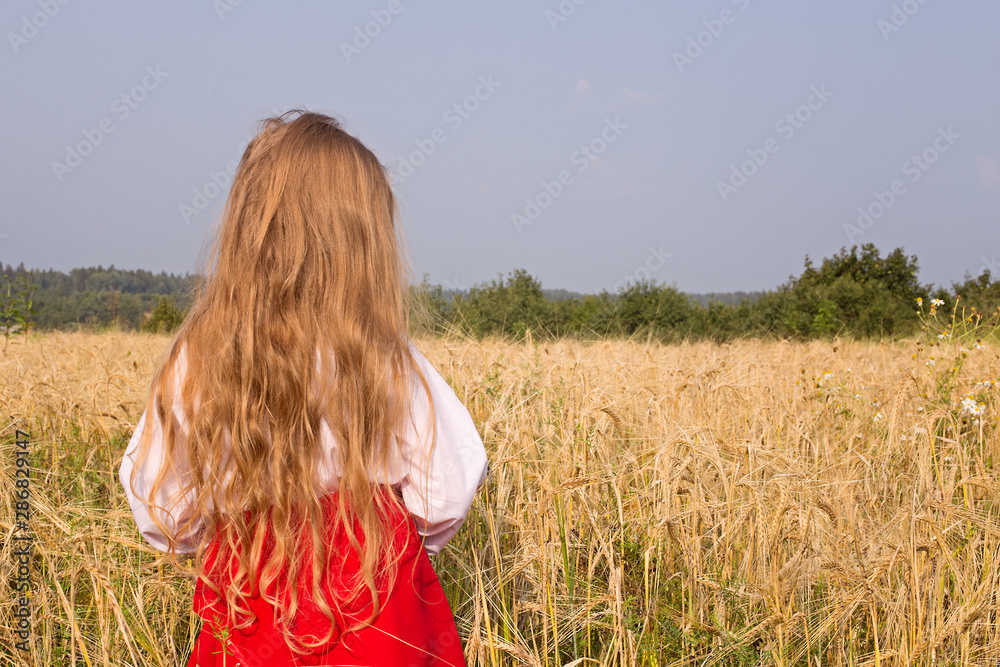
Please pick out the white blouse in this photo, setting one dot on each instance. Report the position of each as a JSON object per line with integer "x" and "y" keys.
{"x": 437, "y": 491}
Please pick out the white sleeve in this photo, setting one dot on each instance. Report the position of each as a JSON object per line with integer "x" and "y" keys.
{"x": 438, "y": 491}
{"x": 168, "y": 496}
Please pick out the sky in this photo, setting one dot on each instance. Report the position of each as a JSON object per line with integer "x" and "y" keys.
{"x": 709, "y": 144}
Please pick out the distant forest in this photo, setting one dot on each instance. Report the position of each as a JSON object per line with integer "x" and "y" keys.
{"x": 857, "y": 293}
{"x": 98, "y": 296}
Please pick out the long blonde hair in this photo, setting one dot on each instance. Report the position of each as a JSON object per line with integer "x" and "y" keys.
{"x": 302, "y": 316}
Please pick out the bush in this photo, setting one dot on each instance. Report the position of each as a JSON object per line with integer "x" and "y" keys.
{"x": 166, "y": 317}
{"x": 649, "y": 308}
{"x": 505, "y": 308}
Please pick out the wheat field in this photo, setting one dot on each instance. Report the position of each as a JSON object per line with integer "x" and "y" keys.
{"x": 824, "y": 503}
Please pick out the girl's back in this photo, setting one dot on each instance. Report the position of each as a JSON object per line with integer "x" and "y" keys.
{"x": 305, "y": 446}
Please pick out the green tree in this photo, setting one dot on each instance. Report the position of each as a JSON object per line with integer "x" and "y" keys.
{"x": 981, "y": 293}
{"x": 648, "y": 307}
{"x": 856, "y": 291}
{"x": 506, "y": 308}
{"x": 166, "y": 317}
{"x": 17, "y": 312}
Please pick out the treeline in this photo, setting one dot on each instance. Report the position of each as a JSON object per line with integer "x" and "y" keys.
{"x": 856, "y": 293}
{"x": 100, "y": 297}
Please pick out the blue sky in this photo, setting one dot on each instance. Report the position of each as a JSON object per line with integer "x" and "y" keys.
{"x": 709, "y": 144}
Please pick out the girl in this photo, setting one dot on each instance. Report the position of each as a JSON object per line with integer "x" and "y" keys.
{"x": 294, "y": 441}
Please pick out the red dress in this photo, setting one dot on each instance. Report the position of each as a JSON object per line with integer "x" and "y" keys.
{"x": 415, "y": 627}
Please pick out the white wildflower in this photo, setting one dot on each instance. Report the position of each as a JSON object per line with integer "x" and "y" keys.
{"x": 971, "y": 407}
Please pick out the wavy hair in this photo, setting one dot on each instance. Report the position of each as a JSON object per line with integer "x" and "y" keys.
{"x": 300, "y": 317}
